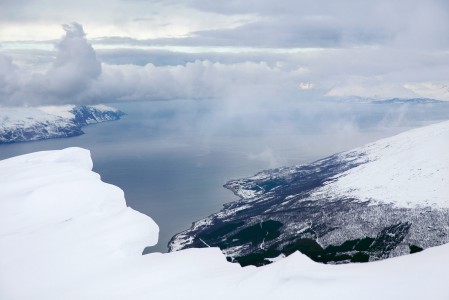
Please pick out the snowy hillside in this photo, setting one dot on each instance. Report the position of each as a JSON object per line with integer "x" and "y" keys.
{"x": 56, "y": 244}
{"x": 37, "y": 123}
{"x": 385, "y": 199}
{"x": 407, "y": 170}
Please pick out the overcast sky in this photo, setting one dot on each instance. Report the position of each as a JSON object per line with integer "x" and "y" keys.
{"x": 159, "y": 50}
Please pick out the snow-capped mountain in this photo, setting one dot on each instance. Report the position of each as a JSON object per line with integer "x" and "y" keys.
{"x": 356, "y": 99}
{"x": 37, "y": 123}
{"x": 407, "y": 100}
{"x": 56, "y": 244}
{"x": 385, "y": 199}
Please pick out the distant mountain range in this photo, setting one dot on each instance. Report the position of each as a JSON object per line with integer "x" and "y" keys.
{"x": 36, "y": 123}
{"x": 412, "y": 100}
{"x": 385, "y": 199}
{"x": 385, "y": 101}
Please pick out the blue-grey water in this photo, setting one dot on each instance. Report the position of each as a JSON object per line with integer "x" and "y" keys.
{"x": 172, "y": 158}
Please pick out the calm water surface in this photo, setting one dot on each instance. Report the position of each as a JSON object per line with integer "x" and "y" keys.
{"x": 172, "y": 158}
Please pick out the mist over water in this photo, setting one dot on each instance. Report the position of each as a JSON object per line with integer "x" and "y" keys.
{"x": 172, "y": 157}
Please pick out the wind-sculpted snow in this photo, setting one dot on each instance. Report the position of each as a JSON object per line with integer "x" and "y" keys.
{"x": 30, "y": 124}
{"x": 385, "y": 199}
{"x": 58, "y": 220}
{"x": 65, "y": 234}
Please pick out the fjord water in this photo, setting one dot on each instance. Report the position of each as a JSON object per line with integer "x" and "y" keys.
{"x": 172, "y": 157}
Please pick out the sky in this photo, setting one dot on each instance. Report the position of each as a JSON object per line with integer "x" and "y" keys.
{"x": 54, "y": 52}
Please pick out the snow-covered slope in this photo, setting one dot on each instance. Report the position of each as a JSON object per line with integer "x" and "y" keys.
{"x": 64, "y": 234}
{"x": 36, "y": 123}
{"x": 385, "y": 199}
{"x": 407, "y": 170}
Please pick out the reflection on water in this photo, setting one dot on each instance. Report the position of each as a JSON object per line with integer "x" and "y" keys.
{"x": 172, "y": 158}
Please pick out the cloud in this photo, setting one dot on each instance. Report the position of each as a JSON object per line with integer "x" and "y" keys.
{"x": 322, "y": 23}
{"x": 268, "y": 156}
{"x": 370, "y": 87}
{"x": 431, "y": 90}
{"x": 160, "y": 57}
{"x": 201, "y": 79}
{"x": 75, "y": 67}
{"x": 78, "y": 76}
{"x": 37, "y": 20}
{"x": 73, "y": 71}
{"x": 10, "y": 7}
{"x": 9, "y": 78}
{"x": 264, "y": 23}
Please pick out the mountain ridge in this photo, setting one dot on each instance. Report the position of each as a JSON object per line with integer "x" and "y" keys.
{"x": 351, "y": 206}
{"x": 47, "y": 122}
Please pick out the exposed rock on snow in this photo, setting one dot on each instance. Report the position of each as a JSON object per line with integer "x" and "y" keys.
{"x": 385, "y": 199}
{"x": 37, "y": 123}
